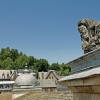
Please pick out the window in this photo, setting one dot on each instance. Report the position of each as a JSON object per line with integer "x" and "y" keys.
{"x": 42, "y": 75}
{"x": 3, "y": 75}
{"x": 55, "y": 82}
{"x": 10, "y": 72}
{"x": 52, "y": 77}
{"x": 0, "y": 85}
{"x": 51, "y": 89}
{"x": 5, "y": 85}
{"x": 46, "y": 90}
{"x": 7, "y": 75}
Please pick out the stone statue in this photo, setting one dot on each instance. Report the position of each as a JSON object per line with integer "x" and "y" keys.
{"x": 90, "y": 34}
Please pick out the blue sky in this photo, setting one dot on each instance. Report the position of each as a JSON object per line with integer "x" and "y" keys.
{"x": 45, "y": 28}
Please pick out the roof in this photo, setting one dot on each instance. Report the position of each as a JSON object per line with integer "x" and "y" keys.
{"x": 84, "y": 56}
{"x": 62, "y": 88}
{"x": 88, "y": 73}
{"x": 47, "y": 83}
{"x": 21, "y": 70}
{"x": 5, "y": 72}
{"x": 59, "y": 77}
{"x": 46, "y": 74}
{"x": 40, "y": 74}
{"x": 26, "y": 79}
{"x": 53, "y": 72}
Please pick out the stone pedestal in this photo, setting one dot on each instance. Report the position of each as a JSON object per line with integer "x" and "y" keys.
{"x": 84, "y": 81}
{"x": 87, "y": 88}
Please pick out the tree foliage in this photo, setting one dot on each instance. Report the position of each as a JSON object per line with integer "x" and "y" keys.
{"x": 62, "y": 69}
{"x": 12, "y": 59}
{"x": 55, "y": 66}
{"x": 42, "y": 65}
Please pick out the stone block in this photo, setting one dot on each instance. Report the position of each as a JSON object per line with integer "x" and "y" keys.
{"x": 84, "y": 89}
{"x": 82, "y": 96}
{"x": 77, "y": 82}
{"x": 95, "y": 96}
{"x": 66, "y": 83}
{"x": 96, "y": 88}
{"x": 94, "y": 80}
{"x": 74, "y": 89}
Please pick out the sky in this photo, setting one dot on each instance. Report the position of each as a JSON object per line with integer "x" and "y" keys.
{"x": 45, "y": 29}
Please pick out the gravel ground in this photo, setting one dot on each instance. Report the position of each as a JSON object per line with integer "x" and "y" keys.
{"x": 46, "y": 96}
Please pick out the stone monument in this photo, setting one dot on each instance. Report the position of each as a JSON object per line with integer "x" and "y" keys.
{"x": 84, "y": 80}
{"x": 90, "y": 34}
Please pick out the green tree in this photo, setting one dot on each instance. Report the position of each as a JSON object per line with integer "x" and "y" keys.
{"x": 31, "y": 61}
{"x": 21, "y": 54}
{"x": 7, "y": 63}
{"x": 42, "y": 65}
{"x": 64, "y": 69}
{"x": 5, "y": 52}
{"x": 14, "y": 54}
{"x": 11, "y": 58}
{"x": 21, "y": 61}
{"x": 55, "y": 66}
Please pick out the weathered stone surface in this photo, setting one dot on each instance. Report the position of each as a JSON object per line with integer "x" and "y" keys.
{"x": 82, "y": 96}
{"x": 95, "y": 97}
{"x": 85, "y": 88}
{"x": 66, "y": 83}
{"x": 90, "y": 34}
{"x": 96, "y": 89}
{"x": 77, "y": 82}
{"x": 73, "y": 88}
{"x": 86, "y": 96}
{"x": 95, "y": 80}
{"x": 79, "y": 77}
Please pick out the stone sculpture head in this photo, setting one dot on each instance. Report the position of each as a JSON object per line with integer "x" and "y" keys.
{"x": 83, "y": 33}
{"x": 90, "y": 36}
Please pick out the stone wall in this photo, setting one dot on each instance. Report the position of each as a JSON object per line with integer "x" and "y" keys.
{"x": 51, "y": 89}
{"x": 85, "y": 88}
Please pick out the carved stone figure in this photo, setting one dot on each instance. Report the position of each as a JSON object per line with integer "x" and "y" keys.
{"x": 90, "y": 34}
